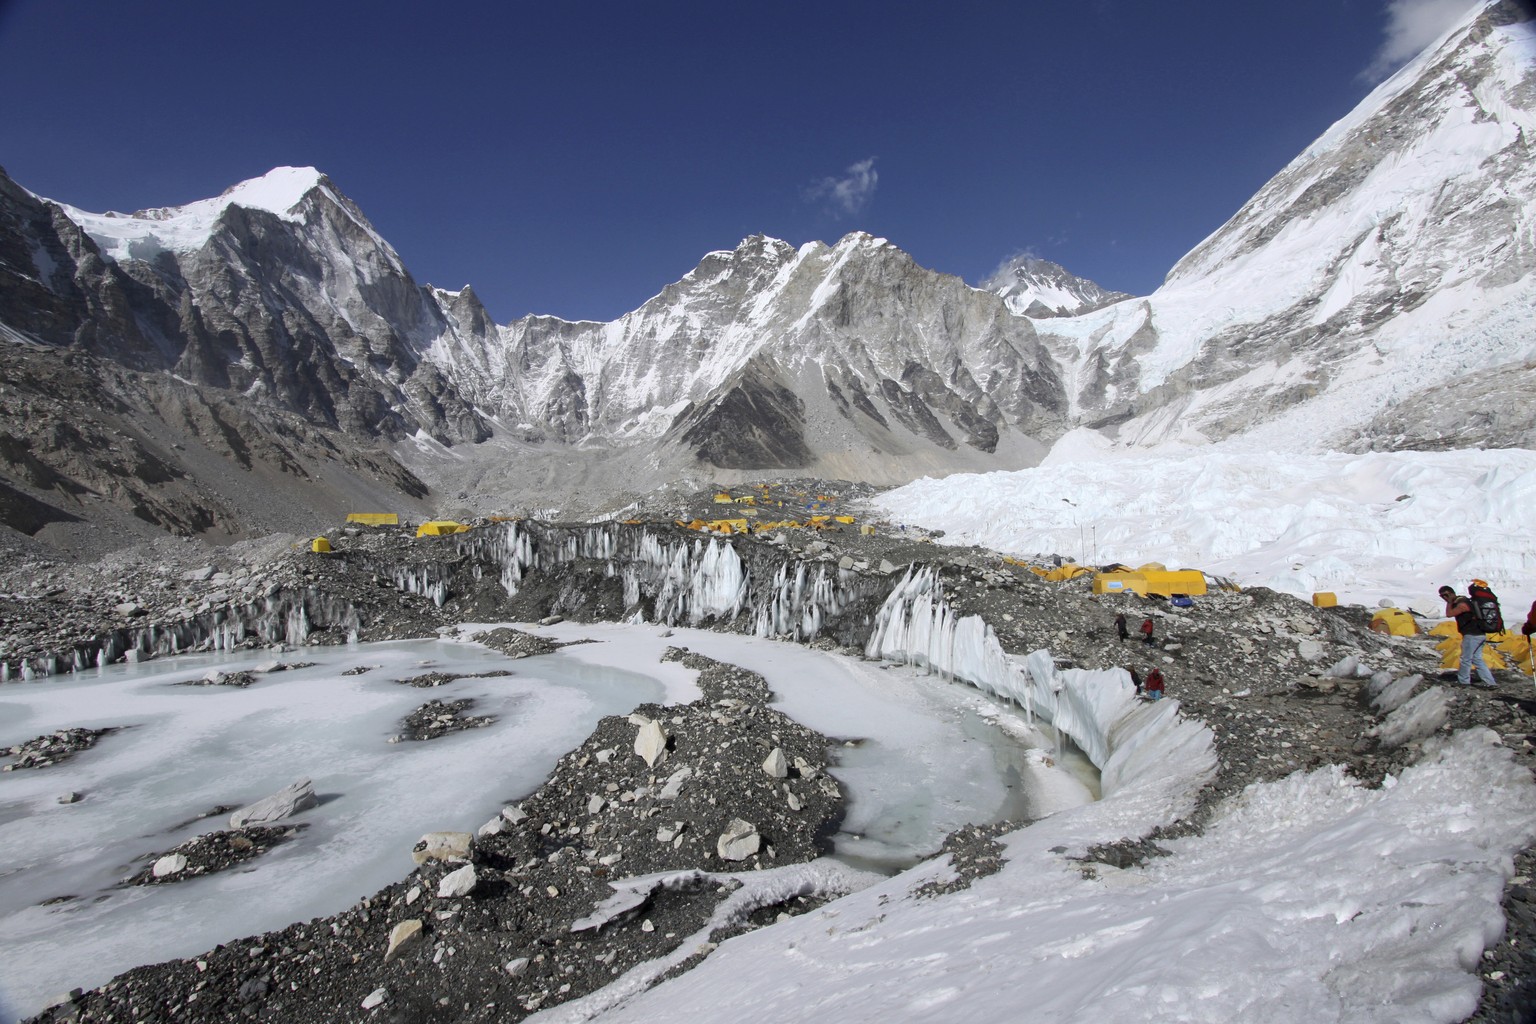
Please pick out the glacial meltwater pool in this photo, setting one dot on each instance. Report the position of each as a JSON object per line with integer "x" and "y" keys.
{"x": 929, "y": 757}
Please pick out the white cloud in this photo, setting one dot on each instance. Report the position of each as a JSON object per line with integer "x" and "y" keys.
{"x": 1411, "y": 26}
{"x": 850, "y": 193}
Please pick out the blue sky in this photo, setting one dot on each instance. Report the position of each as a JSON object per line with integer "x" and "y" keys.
{"x": 575, "y": 158}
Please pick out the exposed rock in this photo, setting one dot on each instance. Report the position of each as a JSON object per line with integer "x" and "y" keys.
{"x": 739, "y": 841}
{"x": 451, "y": 847}
{"x": 400, "y": 934}
{"x": 170, "y": 864}
{"x": 285, "y": 802}
{"x": 651, "y": 743}
{"x": 775, "y": 765}
{"x": 458, "y": 883}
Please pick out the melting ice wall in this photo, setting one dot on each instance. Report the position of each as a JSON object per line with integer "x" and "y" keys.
{"x": 669, "y": 578}
{"x": 680, "y": 579}
{"x": 286, "y": 616}
{"x": 1131, "y": 742}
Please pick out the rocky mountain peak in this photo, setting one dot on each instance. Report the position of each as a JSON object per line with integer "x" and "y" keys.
{"x": 1038, "y": 288}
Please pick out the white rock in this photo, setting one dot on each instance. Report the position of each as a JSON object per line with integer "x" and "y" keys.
{"x": 739, "y": 840}
{"x": 452, "y": 847}
{"x": 170, "y": 864}
{"x": 516, "y": 967}
{"x": 400, "y": 934}
{"x": 514, "y": 814}
{"x": 776, "y": 765}
{"x": 375, "y": 998}
{"x": 1310, "y": 650}
{"x": 674, "y": 784}
{"x": 457, "y": 883}
{"x": 492, "y": 827}
{"x": 651, "y": 743}
{"x": 413, "y": 895}
{"x": 279, "y": 805}
{"x": 596, "y": 803}
{"x": 793, "y": 801}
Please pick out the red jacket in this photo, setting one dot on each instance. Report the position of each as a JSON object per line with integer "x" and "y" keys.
{"x": 1146, "y": 627}
{"x": 1530, "y": 621}
{"x": 1155, "y": 681}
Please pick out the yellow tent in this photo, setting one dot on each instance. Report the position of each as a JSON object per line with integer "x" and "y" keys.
{"x": 440, "y": 528}
{"x": 1151, "y": 581}
{"x": 320, "y": 546}
{"x": 1394, "y": 622}
{"x": 1066, "y": 572}
{"x": 1449, "y": 646}
{"x": 1515, "y": 648}
{"x": 374, "y": 518}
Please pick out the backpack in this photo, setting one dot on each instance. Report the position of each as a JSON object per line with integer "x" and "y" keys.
{"x": 1486, "y": 604}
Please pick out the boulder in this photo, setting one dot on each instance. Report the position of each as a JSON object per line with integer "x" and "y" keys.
{"x": 170, "y": 864}
{"x": 279, "y": 805}
{"x": 449, "y": 847}
{"x": 674, "y": 784}
{"x": 651, "y": 743}
{"x": 457, "y": 883}
{"x": 776, "y": 765}
{"x": 400, "y": 934}
{"x": 739, "y": 840}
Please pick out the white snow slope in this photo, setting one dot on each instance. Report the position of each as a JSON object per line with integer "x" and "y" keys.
{"x": 1384, "y": 526}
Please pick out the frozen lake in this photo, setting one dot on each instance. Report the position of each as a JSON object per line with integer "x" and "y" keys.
{"x": 929, "y": 758}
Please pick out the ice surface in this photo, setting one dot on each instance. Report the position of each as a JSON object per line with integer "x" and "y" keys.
{"x": 928, "y": 762}
{"x": 1308, "y": 900}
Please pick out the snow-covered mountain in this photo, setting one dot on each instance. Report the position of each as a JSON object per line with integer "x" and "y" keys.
{"x": 1378, "y": 293}
{"x": 1388, "y": 261}
{"x": 1039, "y": 288}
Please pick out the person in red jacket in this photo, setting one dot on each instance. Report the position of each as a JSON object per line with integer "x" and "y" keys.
{"x": 1528, "y": 629}
{"x": 1146, "y": 631}
{"x": 1154, "y": 684}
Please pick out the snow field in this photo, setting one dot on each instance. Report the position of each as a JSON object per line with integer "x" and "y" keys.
{"x": 1381, "y": 526}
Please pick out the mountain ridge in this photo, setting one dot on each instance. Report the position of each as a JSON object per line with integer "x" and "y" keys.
{"x": 1388, "y": 261}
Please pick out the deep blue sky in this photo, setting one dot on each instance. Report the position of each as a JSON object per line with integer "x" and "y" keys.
{"x": 574, "y": 158}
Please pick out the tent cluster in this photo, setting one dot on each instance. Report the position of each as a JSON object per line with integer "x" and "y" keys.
{"x": 1149, "y": 579}
{"x": 739, "y": 526}
{"x": 1503, "y": 650}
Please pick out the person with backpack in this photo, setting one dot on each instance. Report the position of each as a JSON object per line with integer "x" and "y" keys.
{"x": 1120, "y": 627}
{"x": 1472, "y": 621}
{"x": 1146, "y": 631}
{"x": 1154, "y": 684}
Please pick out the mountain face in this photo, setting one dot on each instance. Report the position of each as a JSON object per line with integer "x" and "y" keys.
{"x": 1039, "y": 288}
{"x": 1392, "y": 257}
{"x": 1376, "y": 293}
